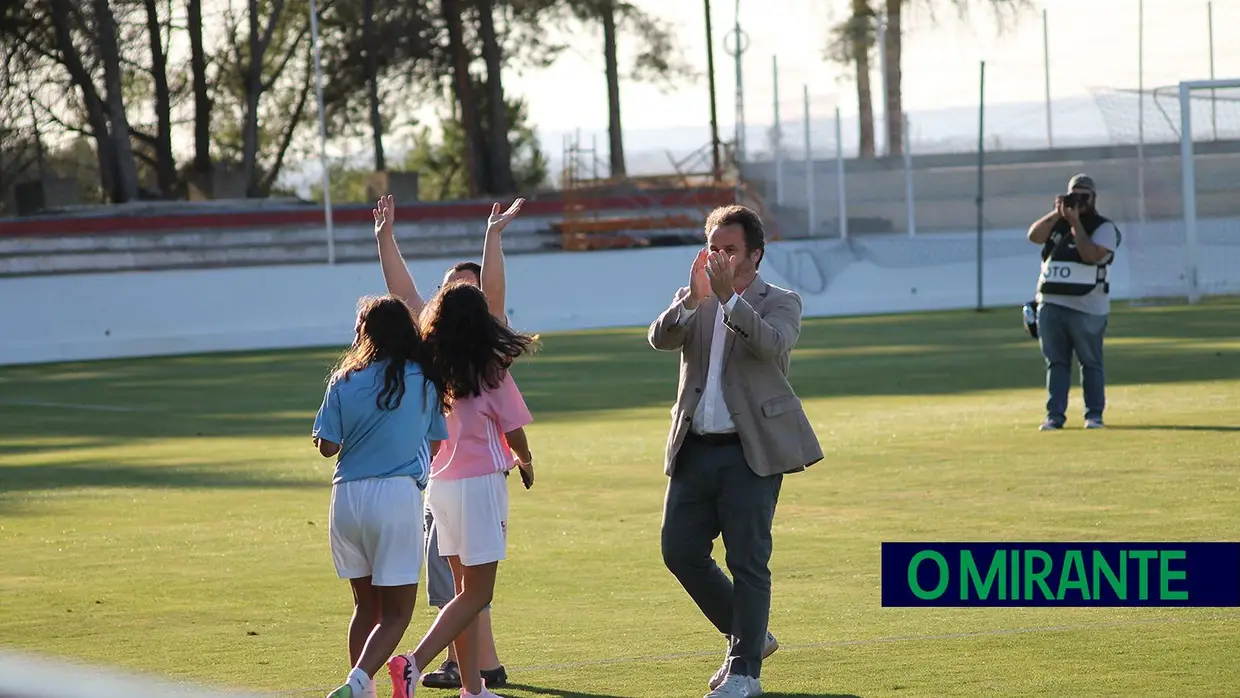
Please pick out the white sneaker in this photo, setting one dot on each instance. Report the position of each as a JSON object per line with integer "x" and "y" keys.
{"x": 1093, "y": 424}
{"x": 486, "y": 692}
{"x": 737, "y": 686}
{"x": 767, "y": 650}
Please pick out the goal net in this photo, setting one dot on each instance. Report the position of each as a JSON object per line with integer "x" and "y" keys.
{"x": 1181, "y": 224}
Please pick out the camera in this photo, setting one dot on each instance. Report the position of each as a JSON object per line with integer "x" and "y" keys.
{"x": 1074, "y": 199}
{"x": 1029, "y": 312}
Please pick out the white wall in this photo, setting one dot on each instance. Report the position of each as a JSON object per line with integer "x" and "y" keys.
{"x": 62, "y": 318}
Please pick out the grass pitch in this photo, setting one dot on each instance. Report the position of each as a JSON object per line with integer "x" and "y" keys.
{"x": 169, "y": 515}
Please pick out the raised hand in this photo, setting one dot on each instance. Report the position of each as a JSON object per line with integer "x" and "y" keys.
{"x": 699, "y": 283}
{"x": 1073, "y": 216}
{"x": 720, "y": 268}
{"x": 498, "y": 221}
{"x": 385, "y": 215}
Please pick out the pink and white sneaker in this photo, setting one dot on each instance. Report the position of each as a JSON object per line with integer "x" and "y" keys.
{"x": 404, "y": 676}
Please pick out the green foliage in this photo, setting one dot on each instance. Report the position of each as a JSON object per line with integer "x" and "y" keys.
{"x": 406, "y": 50}
{"x": 439, "y": 158}
{"x": 846, "y": 36}
{"x": 348, "y": 183}
{"x": 658, "y": 59}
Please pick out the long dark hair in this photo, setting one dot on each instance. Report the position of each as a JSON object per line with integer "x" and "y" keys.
{"x": 385, "y": 332}
{"x": 471, "y": 350}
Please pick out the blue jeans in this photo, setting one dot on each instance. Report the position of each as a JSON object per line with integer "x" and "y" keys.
{"x": 1062, "y": 332}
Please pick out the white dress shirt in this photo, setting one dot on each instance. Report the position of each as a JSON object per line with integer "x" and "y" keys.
{"x": 712, "y": 415}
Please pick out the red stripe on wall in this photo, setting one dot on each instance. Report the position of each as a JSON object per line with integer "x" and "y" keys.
{"x": 354, "y": 215}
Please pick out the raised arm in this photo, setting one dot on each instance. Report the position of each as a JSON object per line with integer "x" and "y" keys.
{"x": 396, "y": 274}
{"x": 1041, "y": 229}
{"x": 494, "y": 283}
{"x": 669, "y": 331}
{"x": 770, "y": 336}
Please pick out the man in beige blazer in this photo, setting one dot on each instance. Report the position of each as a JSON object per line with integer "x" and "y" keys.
{"x": 737, "y": 427}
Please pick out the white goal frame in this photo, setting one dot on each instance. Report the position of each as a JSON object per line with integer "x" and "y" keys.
{"x": 1188, "y": 177}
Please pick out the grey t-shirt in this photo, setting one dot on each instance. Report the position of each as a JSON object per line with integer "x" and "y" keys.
{"x": 1097, "y": 301}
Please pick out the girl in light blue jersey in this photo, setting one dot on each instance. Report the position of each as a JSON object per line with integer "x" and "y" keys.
{"x": 383, "y": 416}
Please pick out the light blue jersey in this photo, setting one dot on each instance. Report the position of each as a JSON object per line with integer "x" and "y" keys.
{"x": 375, "y": 442}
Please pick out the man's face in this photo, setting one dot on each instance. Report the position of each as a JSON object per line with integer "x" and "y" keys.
{"x": 1087, "y": 197}
{"x": 730, "y": 240}
{"x": 463, "y": 275}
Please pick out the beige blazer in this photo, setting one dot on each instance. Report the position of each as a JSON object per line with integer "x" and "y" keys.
{"x": 761, "y": 330}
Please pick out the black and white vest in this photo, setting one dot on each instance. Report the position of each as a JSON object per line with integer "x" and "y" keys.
{"x": 1064, "y": 273}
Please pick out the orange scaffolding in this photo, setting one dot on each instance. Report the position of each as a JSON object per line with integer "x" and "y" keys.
{"x": 604, "y": 212}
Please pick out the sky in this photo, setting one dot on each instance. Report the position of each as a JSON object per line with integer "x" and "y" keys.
{"x": 1091, "y": 45}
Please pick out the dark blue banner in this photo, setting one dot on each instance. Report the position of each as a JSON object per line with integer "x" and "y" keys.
{"x": 1061, "y": 574}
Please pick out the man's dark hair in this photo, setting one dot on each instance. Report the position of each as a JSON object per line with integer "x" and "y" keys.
{"x": 749, "y": 221}
{"x": 474, "y": 267}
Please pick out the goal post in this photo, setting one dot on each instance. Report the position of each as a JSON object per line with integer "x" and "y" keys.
{"x": 1188, "y": 172}
{"x": 1172, "y": 183}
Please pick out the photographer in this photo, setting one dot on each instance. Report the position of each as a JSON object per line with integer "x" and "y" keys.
{"x": 1072, "y": 299}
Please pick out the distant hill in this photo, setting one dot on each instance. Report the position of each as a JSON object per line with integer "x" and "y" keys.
{"x": 1009, "y": 126}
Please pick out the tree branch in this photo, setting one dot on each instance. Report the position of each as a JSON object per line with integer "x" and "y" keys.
{"x": 277, "y": 9}
{"x": 287, "y": 139}
{"x": 292, "y": 51}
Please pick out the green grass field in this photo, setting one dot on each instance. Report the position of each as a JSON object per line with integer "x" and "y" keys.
{"x": 170, "y": 515}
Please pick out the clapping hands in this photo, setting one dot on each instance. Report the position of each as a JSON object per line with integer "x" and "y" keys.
{"x": 721, "y": 269}
{"x": 699, "y": 283}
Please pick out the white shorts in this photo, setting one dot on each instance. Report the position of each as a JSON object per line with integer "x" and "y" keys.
{"x": 376, "y": 530}
{"x": 471, "y": 517}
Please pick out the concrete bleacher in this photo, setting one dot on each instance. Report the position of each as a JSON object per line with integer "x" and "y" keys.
{"x": 220, "y": 234}
{"x": 205, "y": 248}
{"x": 1018, "y": 187}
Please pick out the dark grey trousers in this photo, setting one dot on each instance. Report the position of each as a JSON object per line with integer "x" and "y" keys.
{"x": 712, "y": 491}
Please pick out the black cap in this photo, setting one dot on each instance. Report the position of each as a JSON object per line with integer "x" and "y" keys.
{"x": 1081, "y": 181}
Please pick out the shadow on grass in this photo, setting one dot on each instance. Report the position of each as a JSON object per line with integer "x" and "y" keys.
{"x": 1173, "y": 427}
{"x": 810, "y": 695}
{"x": 557, "y": 693}
{"x": 576, "y": 374}
{"x": 18, "y": 480}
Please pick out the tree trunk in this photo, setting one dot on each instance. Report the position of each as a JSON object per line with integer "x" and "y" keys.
{"x": 500, "y": 155}
{"x": 614, "y": 130}
{"x": 252, "y": 82}
{"x": 165, "y": 165}
{"x": 96, "y": 117}
{"x": 294, "y": 121}
{"x": 894, "y": 108}
{"x": 202, "y": 100}
{"x": 372, "y": 83}
{"x": 464, "y": 93}
{"x": 126, "y": 184}
{"x": 860, "y": 41}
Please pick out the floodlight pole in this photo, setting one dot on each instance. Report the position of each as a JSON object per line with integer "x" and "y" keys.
{"x": 318, "y": 88}
{"x": 716, "y": 171}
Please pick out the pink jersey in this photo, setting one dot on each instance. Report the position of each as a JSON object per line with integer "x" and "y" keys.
{"x": 476, "y": 426}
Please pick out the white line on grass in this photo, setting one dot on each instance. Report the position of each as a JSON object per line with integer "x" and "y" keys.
{"x": 995, "y": 632}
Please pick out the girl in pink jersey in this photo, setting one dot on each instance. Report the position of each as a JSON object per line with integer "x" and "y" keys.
{"x": 471, "y": 352}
